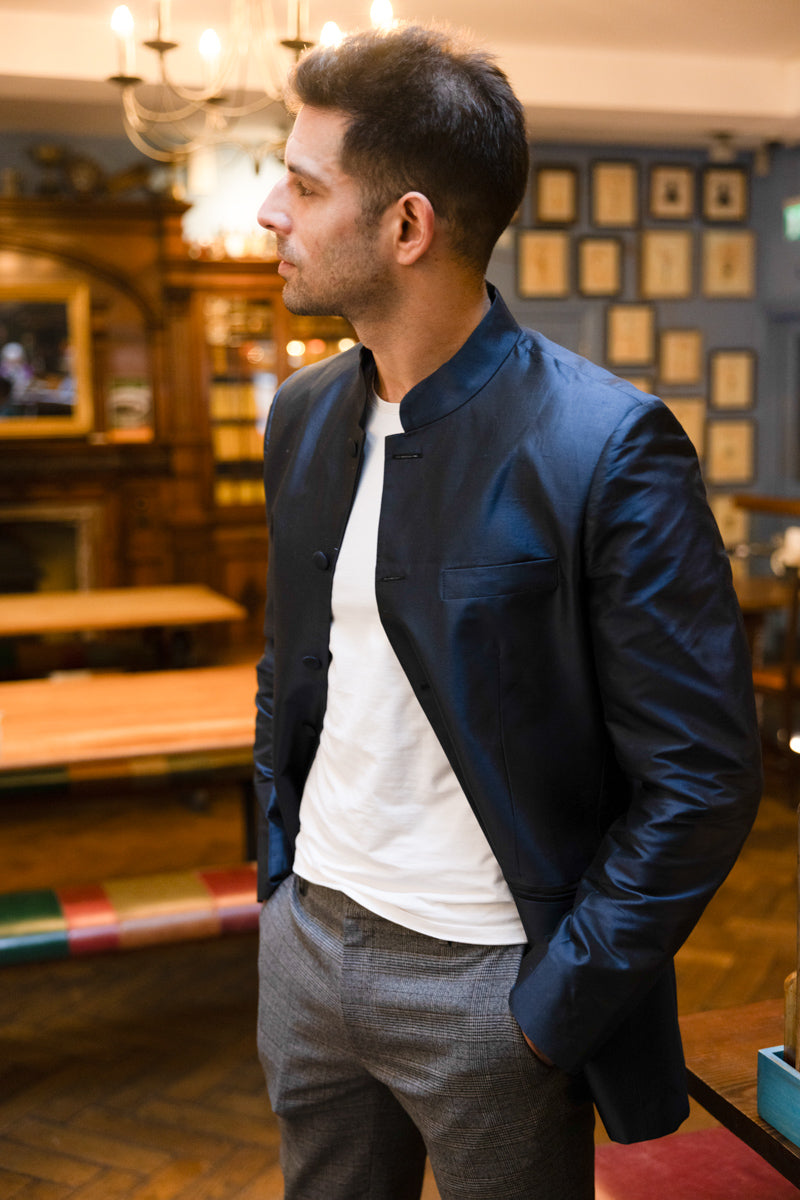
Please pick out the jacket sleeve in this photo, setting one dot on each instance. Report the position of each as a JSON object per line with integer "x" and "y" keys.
{"x": 274, "y": 854}
{"x": 675, "y": 676}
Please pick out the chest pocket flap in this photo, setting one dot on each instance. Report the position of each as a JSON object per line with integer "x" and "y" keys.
{"x": 499, "y": 579}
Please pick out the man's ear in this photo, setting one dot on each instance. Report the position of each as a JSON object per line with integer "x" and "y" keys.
{"x": 415, "y": 222}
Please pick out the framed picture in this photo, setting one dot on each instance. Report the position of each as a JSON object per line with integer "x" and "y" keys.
{"x": 555, "y": 190}
{"x": 630, "y": 335}
{"x": 731, "y": 378}
{"x": 690, "y": 412}
{"x": 543, "y": 262}
{"x": 666, "y": 264}
{"x": 730, "y": 451}
{"x": 729, "y": 263}
{"x": 733, "y": 521}
{"x": 680, "y": 357}
{"x": 671, "y": 195}
{"x": 45, "y": 360}
{"x": 599, "y": 266}
{"x": 725, "y": 193}
{"x": 615, "y": 194}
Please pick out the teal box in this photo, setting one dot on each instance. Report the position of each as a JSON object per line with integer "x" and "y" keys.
{"x": 778, "y": 1094}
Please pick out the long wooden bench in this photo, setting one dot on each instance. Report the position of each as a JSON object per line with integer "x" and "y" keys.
{"x": 184, "y": 728}
{"x": 128, "y": 913}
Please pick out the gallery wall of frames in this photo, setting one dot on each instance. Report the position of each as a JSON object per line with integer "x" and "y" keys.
{"x": 651, "y": 263}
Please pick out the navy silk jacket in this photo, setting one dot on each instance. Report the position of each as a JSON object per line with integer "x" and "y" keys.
{"x": 554, "y": 586}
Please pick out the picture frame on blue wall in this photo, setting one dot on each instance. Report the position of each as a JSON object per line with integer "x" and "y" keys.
{"x": 680, "y": 357}
{"x": 729, "y": 264}
{"x": 725, "y": 193}
{"x": 555, "y": 194}
{"x": 730, "y": 451}
{"x": 666, "y": 264}
{"x": 671, "y": 192}
{"x": 615, "y": 194}
{"x": 543, "y": 264}
{"x": 732, "y": 378}
{"x": 600, "y": 262}
{"x": 630, "y": 335}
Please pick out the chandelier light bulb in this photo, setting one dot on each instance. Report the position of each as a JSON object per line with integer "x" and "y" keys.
{"x": 122, "y": 28}
{"x": 331, "y": 34}
{"x": 210, "y": 46}
{"x": 210, "y": 50}
{"x": 381, "y": 14}
{"x": 122, "y": 21}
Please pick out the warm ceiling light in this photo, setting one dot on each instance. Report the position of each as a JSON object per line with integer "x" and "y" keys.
{"x": 244, "y": 73}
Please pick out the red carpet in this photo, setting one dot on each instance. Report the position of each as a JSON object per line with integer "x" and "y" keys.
{"x": 710, "y": 1164}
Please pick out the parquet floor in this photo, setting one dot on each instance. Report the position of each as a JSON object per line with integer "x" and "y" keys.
{"x": 134, "y": 1076}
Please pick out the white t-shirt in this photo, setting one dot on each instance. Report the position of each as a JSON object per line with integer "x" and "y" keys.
{"x": 383, "y": 818}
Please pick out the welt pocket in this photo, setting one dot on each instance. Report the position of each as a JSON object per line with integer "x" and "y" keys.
{"x": 499, "y": 579}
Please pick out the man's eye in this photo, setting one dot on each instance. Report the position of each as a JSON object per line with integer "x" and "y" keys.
{"x": 302, "y": 190}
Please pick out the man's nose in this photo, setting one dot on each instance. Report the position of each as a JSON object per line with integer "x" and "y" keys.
{"x": 272, "y": 214}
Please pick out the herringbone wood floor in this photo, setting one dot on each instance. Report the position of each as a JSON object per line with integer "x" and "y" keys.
{"x": 134, "y": 1076}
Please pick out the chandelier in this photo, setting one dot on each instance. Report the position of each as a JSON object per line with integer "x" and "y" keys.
{"x": 242, "y": 75}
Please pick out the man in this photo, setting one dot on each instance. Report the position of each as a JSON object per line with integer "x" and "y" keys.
{"x": 506, "y": 745}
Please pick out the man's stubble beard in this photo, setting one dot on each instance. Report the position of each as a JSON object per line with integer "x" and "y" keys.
{"x": 368, "y": 296}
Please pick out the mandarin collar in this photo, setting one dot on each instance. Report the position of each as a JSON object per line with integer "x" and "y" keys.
{"x": 462, "y": 376}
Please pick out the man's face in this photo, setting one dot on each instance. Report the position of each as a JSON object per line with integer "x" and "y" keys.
{"x": 332, "y": 263}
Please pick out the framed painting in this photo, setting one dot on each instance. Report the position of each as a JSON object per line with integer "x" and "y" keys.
{"x": 731, "y": 378}
{"x": 630, "y": 335}
{"x": 730, "y": 451}
{"x": 671, "y": 194}
{"x": 45, "y": 360}
{"x": 729, "y": 264}
{"x": 725, "y": 193}
{"x": 615, "y": 194}
{"x": 555, "y": 190}
{"x": 680, "y": 357}
{"x": 666, "y": 264}
{"x": 600, "y": 266}
{"x": 543, "y": 264}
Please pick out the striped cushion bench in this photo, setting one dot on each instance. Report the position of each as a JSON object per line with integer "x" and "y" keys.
{"x": 124, "y": 914}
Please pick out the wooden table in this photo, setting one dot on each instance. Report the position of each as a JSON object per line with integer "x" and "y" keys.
{"x": 114, "y": 608}
{"x": 193, "y": 724}
{"x": 721, "y": 1050}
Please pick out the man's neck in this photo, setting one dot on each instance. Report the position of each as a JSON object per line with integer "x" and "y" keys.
{"x": 420, "y": 336}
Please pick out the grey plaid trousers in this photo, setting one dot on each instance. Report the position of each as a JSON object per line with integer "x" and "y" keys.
{"x": 381, "y": 1045}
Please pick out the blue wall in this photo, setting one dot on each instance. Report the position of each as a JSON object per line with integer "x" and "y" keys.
{"x": 769, "y": 323}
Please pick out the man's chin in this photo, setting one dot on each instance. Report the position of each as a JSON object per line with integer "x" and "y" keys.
{"x": 305, "y": 306}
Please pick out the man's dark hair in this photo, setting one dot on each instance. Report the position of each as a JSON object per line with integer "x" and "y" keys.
{"x": 426, "y": 113}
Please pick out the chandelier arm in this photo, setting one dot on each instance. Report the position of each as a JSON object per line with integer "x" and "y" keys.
{"x": 142, "y": 113}
{"x": 166, "y": 152}
{"x": 152, "y": 151}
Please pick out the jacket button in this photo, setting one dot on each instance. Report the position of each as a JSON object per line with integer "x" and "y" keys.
{"x": 312, "y": 663}
{"x": 352, "y": 446}
{"x": 320, "y": 560}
